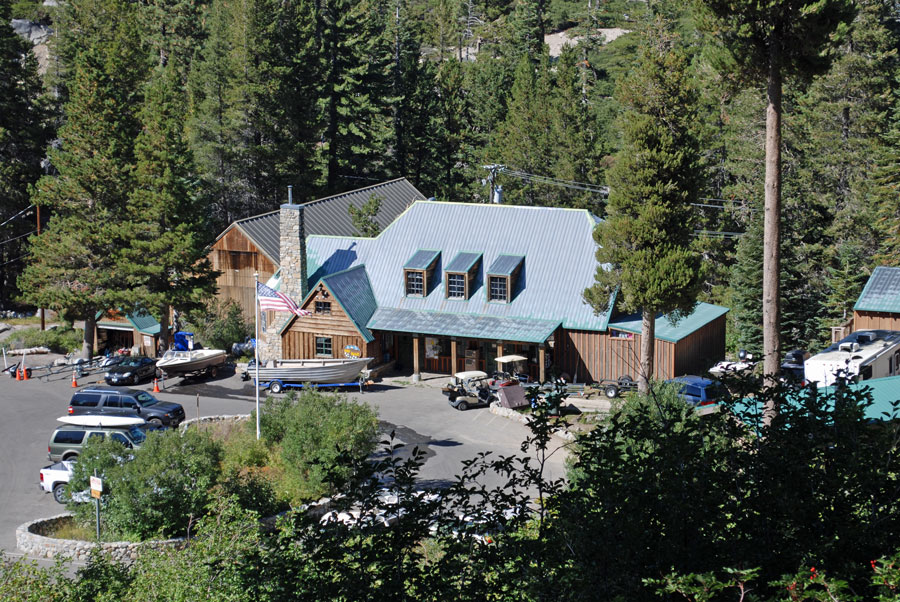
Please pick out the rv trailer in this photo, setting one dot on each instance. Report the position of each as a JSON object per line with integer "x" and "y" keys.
{"x": 860, "y": 356}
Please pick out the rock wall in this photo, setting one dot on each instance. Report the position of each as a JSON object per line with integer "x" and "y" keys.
{"x": 31, "y": 541}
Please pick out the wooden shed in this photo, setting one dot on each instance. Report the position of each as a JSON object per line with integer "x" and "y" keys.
{"x": 878, "y": 306}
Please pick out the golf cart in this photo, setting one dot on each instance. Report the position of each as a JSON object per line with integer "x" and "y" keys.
{"x": 471, "y": 389}
{"x": 511, "y": 369}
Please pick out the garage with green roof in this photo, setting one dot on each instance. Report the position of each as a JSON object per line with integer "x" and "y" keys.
{"x": 878, "y": 306}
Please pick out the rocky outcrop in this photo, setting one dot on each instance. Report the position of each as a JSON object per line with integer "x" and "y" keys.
{"x": 36, "y": 33}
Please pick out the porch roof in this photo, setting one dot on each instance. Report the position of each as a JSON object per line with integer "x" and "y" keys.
{"x": 462, "y": 325}
{"x": 666, "y": 328}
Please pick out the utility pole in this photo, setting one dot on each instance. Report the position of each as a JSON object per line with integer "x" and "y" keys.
{"x": 493, "y": 170}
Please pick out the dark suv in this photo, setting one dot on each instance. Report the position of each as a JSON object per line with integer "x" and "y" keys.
{"x": 126, "y": 402}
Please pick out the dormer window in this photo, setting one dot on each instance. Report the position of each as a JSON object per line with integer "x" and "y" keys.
{"x": 459, "y": 279}
{"x": 503, "y": 275}
{"x": 418, "y": 272}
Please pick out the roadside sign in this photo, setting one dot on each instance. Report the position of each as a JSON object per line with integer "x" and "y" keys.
{"x": 96, "y": 487}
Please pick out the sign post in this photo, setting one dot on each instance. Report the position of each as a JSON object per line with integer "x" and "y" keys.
{"x": 96, "y": 490}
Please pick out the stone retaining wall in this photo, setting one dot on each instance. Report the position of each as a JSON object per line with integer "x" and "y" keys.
{"x": 30, "y": 540}
{"x": 221, "y": 418}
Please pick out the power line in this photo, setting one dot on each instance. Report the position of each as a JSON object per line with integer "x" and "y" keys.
{"x": 16, "y": 215}
{"x": 17, "y": 237}
{"x": 15, "y": 260}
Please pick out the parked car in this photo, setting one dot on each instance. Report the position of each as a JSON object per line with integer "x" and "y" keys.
{"x": 67, "y": 441}
{"x": 131, "y": 371}
{"x": 697, "y": 390}
{"x": 126, "y": 402}
{"x": 55, "y": 477}
{"x": 472, "y": 389}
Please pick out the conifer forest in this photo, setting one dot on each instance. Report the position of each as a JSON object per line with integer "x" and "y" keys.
{"x": 146, "y": 122}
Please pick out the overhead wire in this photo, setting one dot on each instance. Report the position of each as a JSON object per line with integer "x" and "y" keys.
{"x": 17, "y": 215}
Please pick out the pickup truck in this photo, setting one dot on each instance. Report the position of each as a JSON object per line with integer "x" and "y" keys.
{"x": 55, "y": 477}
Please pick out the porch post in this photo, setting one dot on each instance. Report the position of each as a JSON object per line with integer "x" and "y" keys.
{"x": 499, "y": 349}
{"x": 541, "y": 362}
{"x": 452, "y": 356}
{"x": 416, "y": 375}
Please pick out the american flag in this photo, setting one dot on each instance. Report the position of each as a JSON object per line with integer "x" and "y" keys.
{"x": 272, "y": 300}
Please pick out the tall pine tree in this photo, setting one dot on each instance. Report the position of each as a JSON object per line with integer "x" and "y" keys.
{"x": 645, "y": 239}
{"x": 75, "y": 266}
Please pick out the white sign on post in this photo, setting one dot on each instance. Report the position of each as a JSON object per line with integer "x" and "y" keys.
{"x": 96, "y": 486}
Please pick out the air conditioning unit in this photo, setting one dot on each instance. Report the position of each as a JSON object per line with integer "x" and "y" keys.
{"x": 471, "y": 364}
{"x": 472, "y": 354}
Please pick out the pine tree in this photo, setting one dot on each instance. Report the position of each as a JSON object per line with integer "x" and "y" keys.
{"x": 887, "y": 192}
{"x": 646, "y": 235}
{"x": 24, "y": 133}
{"x": 75, "y": 264}
{"x": 770, "y": 40}
{"x": 358, "y": 93}
{"x": 173, "y": 29}
{"x": 166, "y": 254}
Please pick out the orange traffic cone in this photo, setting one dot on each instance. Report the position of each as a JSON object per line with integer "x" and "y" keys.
{"x": 24, "y": 373}
{"x": 74, "y": 382}
{"x": 18, "y": 373}
{"x": 155, "y": 385}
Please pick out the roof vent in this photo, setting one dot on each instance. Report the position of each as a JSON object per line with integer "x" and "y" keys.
{"x": 848, "y": 347}
{"x": 865, "y": 337}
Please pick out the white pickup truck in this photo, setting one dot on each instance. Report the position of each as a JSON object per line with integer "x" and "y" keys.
{"x": 55, "y": 477}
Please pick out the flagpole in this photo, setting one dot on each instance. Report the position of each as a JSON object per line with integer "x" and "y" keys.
{"x": 256, "y": 345}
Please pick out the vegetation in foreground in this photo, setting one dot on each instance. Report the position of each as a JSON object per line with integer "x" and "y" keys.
{"x": 661, "y": 503}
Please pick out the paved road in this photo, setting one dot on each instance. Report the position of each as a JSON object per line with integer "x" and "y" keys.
{"x": 418, "y": 414}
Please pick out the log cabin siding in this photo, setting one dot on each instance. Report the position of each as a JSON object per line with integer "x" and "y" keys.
{"x": 237, "y": 258}
{"x": 874, "y": 320}
{"x": 299, "y": 341}
{"x": 701, "y": 349}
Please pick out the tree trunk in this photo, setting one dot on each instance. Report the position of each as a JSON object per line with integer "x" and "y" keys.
{"x": 772, "y": 229}
{"x": 163, "y": 331}
{"x": 648, "y": 345}
{"x": 87, "y": 346}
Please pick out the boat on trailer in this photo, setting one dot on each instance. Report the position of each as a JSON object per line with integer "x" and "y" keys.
{"x": 194, "y": 361}
{"x": 277, "y": 373}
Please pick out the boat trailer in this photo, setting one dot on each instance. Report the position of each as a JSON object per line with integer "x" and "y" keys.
{"x": 277, "y": 386}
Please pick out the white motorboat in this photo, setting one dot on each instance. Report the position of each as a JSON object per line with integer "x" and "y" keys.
{"x": 319, "y": 371}
{"x": 174, "y": 362}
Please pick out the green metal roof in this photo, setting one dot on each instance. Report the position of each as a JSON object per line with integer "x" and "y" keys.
{"x": 882, "y": 291}
{"x": 462, "y": 325}
{"x": 505, "y": 265}
{"x": 666, "y": 330}
{"x": 421, "y": 259}
{"x": 140, "y": 321}
{"x": 885, "y": 391}
{"x": 353, "y": 291}
{"x": 463, "y": 262}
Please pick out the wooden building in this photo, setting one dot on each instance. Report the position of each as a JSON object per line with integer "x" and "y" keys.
{"x": 449, "y": 287}
{"x": 878, "y": 306}
{"x": 115, "y": 330}
{"x": 252, "y": 245}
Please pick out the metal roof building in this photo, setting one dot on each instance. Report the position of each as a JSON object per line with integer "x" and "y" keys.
{"x": 489, "y": 278}
{"x": 878, "y": 306}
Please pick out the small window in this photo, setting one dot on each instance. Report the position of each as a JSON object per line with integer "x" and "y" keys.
{"x": 85, "y": 400}
{"x": 129, "y": 403}
{"x": 498, "y": 290}
{"x": 323, "y": 307}
{"x": 456, "y": 286}
{"x": 121, "y": 439}
{"x": 98, "y": 434}
{"x": 323, "y": 347}
{"x": 415, "y": 284}
{"x": 113, "y": 401}
{"x": 69, "y": 437}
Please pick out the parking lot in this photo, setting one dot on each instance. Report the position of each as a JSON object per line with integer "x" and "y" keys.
{"x": 418, "y": 414}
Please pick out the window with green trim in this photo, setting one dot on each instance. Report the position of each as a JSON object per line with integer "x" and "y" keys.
{"x": 323, "y": 347}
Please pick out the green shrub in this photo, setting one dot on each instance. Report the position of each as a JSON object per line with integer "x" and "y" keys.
{"x": 322, "y": 432}
{"x": 220, "y": 324}
{"x": 241, "y": 449}
{"x": 165, "y": 487}
{"x": 62, "y": 339}
{"x": 253, "y": 491}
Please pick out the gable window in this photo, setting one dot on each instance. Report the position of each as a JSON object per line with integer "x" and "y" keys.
{"x": 503, "y": 277}
{"x": 456, "y": 286}
{"x": 415, "y": 283}
{"x": 418, "y": 273}
{"x": 323, "y": 307}
{"x": 498, "y": 289}
{"x": 323, "y": 347}
{"x": 460, "y": 275}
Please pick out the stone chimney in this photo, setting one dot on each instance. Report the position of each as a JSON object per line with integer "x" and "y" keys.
{"x": 293, "y": 274}
{"x": 293, "y": 250}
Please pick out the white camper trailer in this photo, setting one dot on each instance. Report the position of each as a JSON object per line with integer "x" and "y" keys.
{"x": 860, "y": 356}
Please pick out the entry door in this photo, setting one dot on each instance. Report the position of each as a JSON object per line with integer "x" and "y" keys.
{"x": 405, "y": 353}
